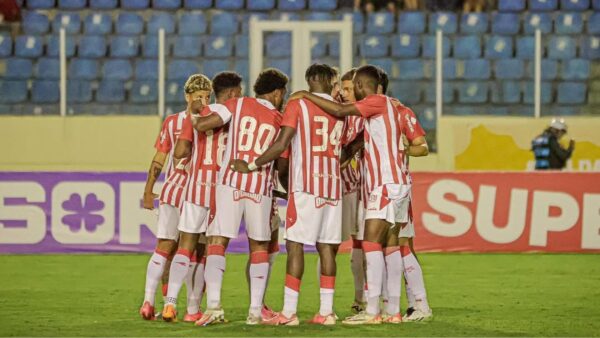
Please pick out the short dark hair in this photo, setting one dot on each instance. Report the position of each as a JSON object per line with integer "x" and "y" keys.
{"x": 269, "y": 80}
{"x": 225, "y": 80}
{"x": 371, "y": 72}
{"x": 349, "y": 74}
{"x": 384, "y": 81}
{"x": 321, "y": 72}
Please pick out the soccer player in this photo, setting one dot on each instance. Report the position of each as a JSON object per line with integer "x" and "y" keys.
{"x": 385, "y": 180}
{"x": 171, "y": 196}
{"x": 254, "y": 125}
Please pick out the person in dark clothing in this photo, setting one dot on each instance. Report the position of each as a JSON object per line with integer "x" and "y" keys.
{"x": 549, "y": 154}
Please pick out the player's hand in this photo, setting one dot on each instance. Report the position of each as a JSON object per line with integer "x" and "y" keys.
{"x": 240, "y": 166}
{"x": 196, "y": 106}
{"x": 148, "y": 199}
{"x": 280, "y": 194}
{"x": 298, "y": 95}
{"x": 406, "y": 143}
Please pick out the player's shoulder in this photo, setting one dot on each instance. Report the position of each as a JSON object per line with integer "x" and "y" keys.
{"x": 173, "y": 117}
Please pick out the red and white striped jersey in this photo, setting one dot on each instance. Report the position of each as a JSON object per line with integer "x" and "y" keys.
{"x": 206, "y": 159}
{"x": 176, "y": 175}
{"x": 315, "y": 149}
{"x": 351, "y": 173}
{"x": 384, "y": 150}
{"x": 253, "y": 128}
{"x": 411, "y": 128}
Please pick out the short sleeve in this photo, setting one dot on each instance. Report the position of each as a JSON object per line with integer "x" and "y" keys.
{"x": 290, "y": 114}
{"x": 410, "y": 125}
{"x": 163, "y": 141}
{"x": 187, "y": 129}
{"x": 219, "y": 109}
{"x": 372, "y": 105}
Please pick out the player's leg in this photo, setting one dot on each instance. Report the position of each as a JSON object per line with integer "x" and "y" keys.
{"x": 349, "y": 230}
{"x": 293, "y": 278}
{"x": 410, "y": 294}
{"x": 195, "y": 282}
{"x": 414, "y": 279}
{"x": 394, "y": 270}
{"x": 258, "y": 272}
{"x": 273, "y": 251}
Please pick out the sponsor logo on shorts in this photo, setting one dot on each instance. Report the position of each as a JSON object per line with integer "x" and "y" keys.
{"x": 321, "y": 201}
{"x": 240, "y": 195}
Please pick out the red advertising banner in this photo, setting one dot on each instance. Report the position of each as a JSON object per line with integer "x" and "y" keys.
{"x": 507, "y": 212}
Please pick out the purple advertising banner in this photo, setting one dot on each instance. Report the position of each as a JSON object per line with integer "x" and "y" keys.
{"x": 58, "y": 212}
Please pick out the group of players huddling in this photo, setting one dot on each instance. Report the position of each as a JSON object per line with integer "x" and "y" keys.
{"x": 340, "y": 150}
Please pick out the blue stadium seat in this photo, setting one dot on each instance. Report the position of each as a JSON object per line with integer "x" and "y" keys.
{"x": 291, "y": 5}
{"x": 72, "y": 4}
{"x": 511, "y": 5}
{"x": 549, "y": 69}
{"x": 506, "y": 23}
{"x": 6, "y": 45}
{"x": 143, "y": 92}
{"x": 92, "y": 46}
{"x": 380, "y": 23}
{"x": 561, "y": 47}
{"x": 192, "y": 23}
{"x": 166, "y": 4}
{"x": 546, "y": 93}
{"x": 135, "y": 4}
{"x": 575, "y": 69}
{"x": 473, "y": 92}
{"x": 450, "y": 69}
{"x": 446, "y": 21}
{"x": 318, "y": 43}
{"x": 187, "y": 46}
{"x": 47, "y": 69}
{"x": 150, "y": 46}
{"x": 117, "y": 69}
{"x": 213, "y": 66}
{"x": 229, "y": 4}
{"x": 41, "y": 4}
{"x": 43, "y": 91}
{"x": 278, "y": 44}
{"x": 218, "y": 46}
{"x": 596, "y": 5}
{"x": 160, "y": 20}
{"x": 110, "y": 91}
{"x": 476, "y": 69}
{"x": 223, "y": 23}
{"x": 386, "y": 64}
{"x": 124, "y": 46}
{"x": 241, "y": 46}
{"x": 509, "y": 69}
{"x": 526, "y": 47}
{"x": 261, "y": 5}
{"x": 318, "y": 16}
{"x": 322, "y": 5}
{"x": 358, "y": 21}
{"x": 375, "y": 46}
{"x": 541, "y": 21}
{"x": 569, "y": 23}
{"x": 510, "y": 92}
{"x": 16, "y": 68}
{"x": 246, "y": 17}
{"x": 406, "y": 46}
{"x": 574, "y": 5}
{"x": 146, "y": 69}
{"x": 499, "y": 47}
{"x": 590, "y": 48}
{"x": 35, "y": 23}
{"x": 129, "y": 24}
{"x": 411, "y": 22}
{"x": 139, "y": 109}
{"x": 571, "y": 92}
{"x": 83, "y": 69}
{"x": 408, "y": 92}
{"x": 103, "y": 4}
{"x": 181, "y": 69}
{"x": 593, "y": 23}
{"x": 97, "y": 24}
{"x": 411, "y": 69}
{"x": 474, "y": 23}
{"x": 52, "y": 48}
{"x": 241, "y": 67}
{"x": 79, "y": 91}
{"x": 467, "y": 47}
{"x": 174, "y": 92}
{"x": 29, "y": 46}
{"x": 542, "y": 5}
{"x": 498, "y": 110}
{"x": 429, "y": 43}
{"x": 283, "y": 65}
{"x": 13, "y": 91}
{"x": 70, "y": 21}
{"x": 447, "y": 93}
{"x": 286, "y": 16}
{"x": 197, "y": 4}
{"x": 462, "y": 110}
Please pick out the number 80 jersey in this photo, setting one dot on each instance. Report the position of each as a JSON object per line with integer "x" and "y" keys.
{"x": 253, "y": 127}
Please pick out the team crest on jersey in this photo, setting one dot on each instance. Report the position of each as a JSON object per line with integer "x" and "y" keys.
{"x": 321, "y": 202}
{"x": 163, "y": 136}
{"x": 411, "y": 123}
{"x": 240, "y": 195}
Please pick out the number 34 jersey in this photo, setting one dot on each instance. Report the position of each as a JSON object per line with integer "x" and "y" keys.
{"x": 253, "y": 127}
{"x": 315, "y": 149}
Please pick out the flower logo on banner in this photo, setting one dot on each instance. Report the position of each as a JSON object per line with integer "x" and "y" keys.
{"x": 82, "y": 214}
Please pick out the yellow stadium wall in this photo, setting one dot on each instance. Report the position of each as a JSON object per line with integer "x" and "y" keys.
{"x": 125, "y": 143}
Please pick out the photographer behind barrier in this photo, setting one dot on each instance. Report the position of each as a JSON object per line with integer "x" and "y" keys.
{"x": 549, "y": 154}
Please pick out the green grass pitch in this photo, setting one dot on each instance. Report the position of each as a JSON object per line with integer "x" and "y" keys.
{"x": 471, "y": 295}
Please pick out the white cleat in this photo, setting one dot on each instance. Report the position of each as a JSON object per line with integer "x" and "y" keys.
{"x": 253, "y": 320}
{"x": 419, "y": 315}
{"x": 212, "y": 316}
{"x": 363, "y": 318}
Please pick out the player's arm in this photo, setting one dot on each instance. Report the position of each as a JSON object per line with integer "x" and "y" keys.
{"x": 330, "y": 107}
{"x": 206, "y": 123}
{"x": 352, "y": 148}
{"x": 277, "y": 148}
{"x": 417, "y": 147}
{"x": 560, "y": 152}
{"x": 153, "y": 173}
{"x": 183, "y": 149}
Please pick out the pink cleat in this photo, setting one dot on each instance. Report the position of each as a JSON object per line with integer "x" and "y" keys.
{"x": 323, "y": 320}
{"x": 147, "y": 311}
{"x": 395, "y": 319}
{"x": 192, "y": 318}
{"x": 283, "y": 320}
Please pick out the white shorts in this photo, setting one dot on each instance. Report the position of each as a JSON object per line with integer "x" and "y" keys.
{"x": 389, "y": 202}
{"x": 194, "y": 218}
{"x": 311, "y": 219}
{"x": 232, "y": 205}
{"x": 408, "y": 230}
{"x": 349, "y": 215}
{"x": 168, "y": 218}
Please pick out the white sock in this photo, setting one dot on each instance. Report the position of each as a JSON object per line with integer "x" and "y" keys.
{"x": 327, "y": 291}
{"x": 290, "y": 299}
{"x": 414, "y": 278}
{"x": 358, "y": 271}
{"x": 395, "y": 268}
{"x": 375, "y": 266}
{"x": 410, "y": 296}
{"x": 197, "y": 289}
{"x": 189, "y": 285}
{"x": 213, "y": 275}
{"x": 154, "y": 271}
{"x": 259, "y": 274}
{"x": 384, "y": 278}
{"x": 177, "y": 273}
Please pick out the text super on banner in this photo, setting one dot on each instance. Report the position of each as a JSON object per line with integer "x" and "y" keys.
{"x": 502, "y": 212}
